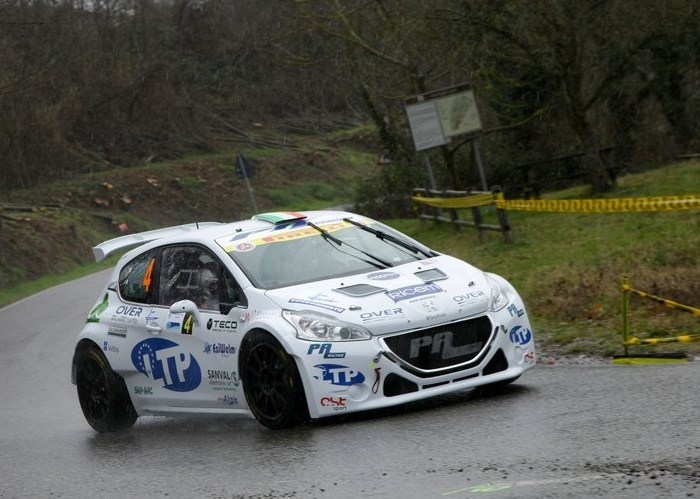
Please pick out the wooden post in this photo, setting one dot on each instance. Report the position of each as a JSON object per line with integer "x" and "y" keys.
{"x": 503, "y": 217}
{"x": 625, "y": 310}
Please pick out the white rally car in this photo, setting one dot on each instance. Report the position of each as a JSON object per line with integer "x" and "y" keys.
{"x": 290, "y": 316}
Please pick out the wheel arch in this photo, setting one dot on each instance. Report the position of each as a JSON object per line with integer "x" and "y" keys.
{"x": 83, "y": 346}
{"x": 302, "y": 368}
{"x": 282, "y": 341}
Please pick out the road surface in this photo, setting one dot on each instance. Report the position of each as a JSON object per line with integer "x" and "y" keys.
{"x": 562, "y": 430}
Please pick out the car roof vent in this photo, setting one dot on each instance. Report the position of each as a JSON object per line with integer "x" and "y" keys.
{"x": 280, "y": 217}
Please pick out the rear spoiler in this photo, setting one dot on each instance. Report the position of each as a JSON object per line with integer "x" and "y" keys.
{"x": 103, "y": 250}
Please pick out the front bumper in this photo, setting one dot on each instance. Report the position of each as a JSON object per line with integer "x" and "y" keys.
{"x": 396, "y": 369}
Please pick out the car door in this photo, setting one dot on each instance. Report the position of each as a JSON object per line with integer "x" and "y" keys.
{"x": 196, "y": 330}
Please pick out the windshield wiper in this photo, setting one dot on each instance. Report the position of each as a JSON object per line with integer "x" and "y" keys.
{"x": 327, "y": 236}
{"x": 388, "y": 237}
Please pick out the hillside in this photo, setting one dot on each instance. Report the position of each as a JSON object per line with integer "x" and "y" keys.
{"x": 52, "y": 228}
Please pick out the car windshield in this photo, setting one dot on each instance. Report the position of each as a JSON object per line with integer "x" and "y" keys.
{"x": 312, "y": 252}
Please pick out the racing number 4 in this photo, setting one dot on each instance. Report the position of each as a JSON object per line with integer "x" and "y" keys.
{"x": 148, "y": 275}
{"x": 187, "y": 323}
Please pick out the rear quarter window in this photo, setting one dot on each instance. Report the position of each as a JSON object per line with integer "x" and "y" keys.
{"x": 136, "y": 279}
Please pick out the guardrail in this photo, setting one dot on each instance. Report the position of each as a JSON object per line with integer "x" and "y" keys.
{"x": 629, "y": 340}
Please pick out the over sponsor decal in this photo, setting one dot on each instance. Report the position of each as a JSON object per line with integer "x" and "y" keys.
{"x": 382, "y": 315}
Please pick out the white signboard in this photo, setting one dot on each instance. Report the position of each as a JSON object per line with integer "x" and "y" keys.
{"x": 436, "y": 117}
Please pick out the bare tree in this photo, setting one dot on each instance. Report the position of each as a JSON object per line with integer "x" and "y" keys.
{"x": 578, "y": 53}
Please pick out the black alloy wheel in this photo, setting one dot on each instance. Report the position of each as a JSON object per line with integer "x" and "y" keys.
{"x": 271, "y": 383}
{"x": 102, "y": 393}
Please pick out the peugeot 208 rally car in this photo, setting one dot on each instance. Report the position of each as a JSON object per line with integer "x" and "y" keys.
{"x": 290, "y": 317}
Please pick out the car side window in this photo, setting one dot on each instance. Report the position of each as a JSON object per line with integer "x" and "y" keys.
{"x": 231, "y": 293}
{"x": 194, "y": 273}
{"x": 136, "y": 280}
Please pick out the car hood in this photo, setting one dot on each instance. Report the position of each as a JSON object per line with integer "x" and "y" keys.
{"x": 420, "y": 294}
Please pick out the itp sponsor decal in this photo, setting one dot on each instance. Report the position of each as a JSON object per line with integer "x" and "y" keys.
{"x": 520, "y": 335}
{"x": 165, "y": 360}
{"x": 337, "y": 374}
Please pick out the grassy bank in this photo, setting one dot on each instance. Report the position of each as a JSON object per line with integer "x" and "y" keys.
{"x": 569, "y": 266}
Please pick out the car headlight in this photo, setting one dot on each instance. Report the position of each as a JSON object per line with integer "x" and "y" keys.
{"x": 318, "y": 327}
{"x": 499, "y": 298}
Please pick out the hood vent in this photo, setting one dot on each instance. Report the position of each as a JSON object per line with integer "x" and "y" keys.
{"x": 357, "y": 290}
{"x": 431, "y": 275}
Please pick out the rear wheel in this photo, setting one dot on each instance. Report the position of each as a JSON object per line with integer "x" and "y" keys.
{"x": 271, "y": 382}
{"x": 103, "y": 396}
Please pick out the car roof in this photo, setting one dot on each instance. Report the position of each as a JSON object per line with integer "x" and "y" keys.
{"x": 209, "y": 231}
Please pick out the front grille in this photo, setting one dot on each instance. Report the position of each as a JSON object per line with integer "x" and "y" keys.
{"x": 443, "y": 347}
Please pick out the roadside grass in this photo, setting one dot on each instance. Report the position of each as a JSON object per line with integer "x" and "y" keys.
{"x": 569, "y": 266}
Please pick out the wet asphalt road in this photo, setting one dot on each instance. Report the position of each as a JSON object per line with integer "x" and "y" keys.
{"x": 560, "y": 431}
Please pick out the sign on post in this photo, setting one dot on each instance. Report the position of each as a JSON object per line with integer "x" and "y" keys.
{"x": 435, "y": 117}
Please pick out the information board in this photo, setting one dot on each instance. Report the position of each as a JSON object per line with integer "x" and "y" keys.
{"x": 436, "y": 117}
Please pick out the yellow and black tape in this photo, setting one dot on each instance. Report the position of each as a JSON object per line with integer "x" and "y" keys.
{"x": 657, "y": 203}
{"x": 683, "y": 338}
{"x": 664, "y": 301}
{"x": 471, "y": 201}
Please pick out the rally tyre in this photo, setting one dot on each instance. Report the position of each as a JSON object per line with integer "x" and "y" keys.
{"x": 271, "y": 382}
{"x": 103, "y": 396}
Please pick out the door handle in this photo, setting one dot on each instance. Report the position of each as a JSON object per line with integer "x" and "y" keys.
{"x": 153, "y": 327}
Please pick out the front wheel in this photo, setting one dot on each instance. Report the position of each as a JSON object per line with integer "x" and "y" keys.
{"x": 271, "y": 383}
{"x": 102, "y": 393}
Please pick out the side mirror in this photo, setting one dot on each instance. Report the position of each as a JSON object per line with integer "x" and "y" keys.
{"x": 184, "y": 307}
